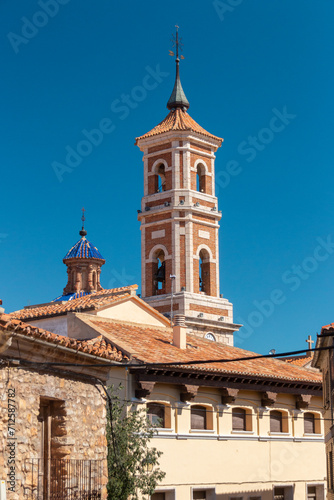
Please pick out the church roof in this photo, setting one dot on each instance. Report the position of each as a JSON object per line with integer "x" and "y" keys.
{"x": 92, "y": 301}
{"x": 96, "y": 346}
{"x": 155, "y": 345}
{"x": 178, "y": 119}
{"x": 299, "y": 360}
{"x": 83, "y": 249}
{"x": 71, "y": 296}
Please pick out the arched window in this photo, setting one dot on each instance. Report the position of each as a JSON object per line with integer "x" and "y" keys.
{"x": 94, "y": 279}
{"x": 156, "y": 414}
{"x": 160, "y": 178}
{"x": 238, "y": 419}
{"x": 276, "y": 421}
{"x": 204, "y": 272}
{"x": 200, "y": 178}
{"x": 198, "y": 417}
{"x": 159, "y": 272}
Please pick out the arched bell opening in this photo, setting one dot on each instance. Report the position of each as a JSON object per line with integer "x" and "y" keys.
{"x": 201, "y": 178}
{"x": 204, "y": 272}
{"x": 159, "y": 273}
{"x": 160, "y": 178}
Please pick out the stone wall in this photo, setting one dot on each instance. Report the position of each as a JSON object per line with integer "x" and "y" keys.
{"x": 67, "y": 414}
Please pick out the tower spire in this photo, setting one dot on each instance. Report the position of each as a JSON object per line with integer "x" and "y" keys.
{"x": 178, "y": 98}
{"x": 83, "y": 232}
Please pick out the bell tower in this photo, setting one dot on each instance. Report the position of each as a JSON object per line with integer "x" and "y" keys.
{"x": 179, "y": 219}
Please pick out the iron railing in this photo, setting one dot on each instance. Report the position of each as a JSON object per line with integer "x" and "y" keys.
{"x": 58, "y": 479}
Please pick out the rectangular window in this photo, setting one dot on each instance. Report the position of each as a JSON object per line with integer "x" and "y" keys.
{"x": 275, "y": 421}
{"x": 309, "y": 425}
{"x": 156, "y": 414}
{"x": 238, "y": 419}
{"x": 279, "y": 494}
{"x": 199, "y": 495}
{"x": 158, "y": 496}
{"x": 330, "y": 470}
{"x": 311, "y": 493}
{"x": 198, "y": 418}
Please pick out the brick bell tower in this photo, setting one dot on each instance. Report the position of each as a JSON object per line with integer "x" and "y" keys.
{"x": 180, "y": 220}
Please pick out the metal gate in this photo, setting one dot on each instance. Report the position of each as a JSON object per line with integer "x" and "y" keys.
{"x": 57, "y": 479}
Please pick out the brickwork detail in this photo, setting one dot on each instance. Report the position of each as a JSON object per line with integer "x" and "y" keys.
{"x": 161, "y": 147}
{"x": 208, "y": 310}
{"x": 200, "y": 148}
{"x": 165, "y": 309}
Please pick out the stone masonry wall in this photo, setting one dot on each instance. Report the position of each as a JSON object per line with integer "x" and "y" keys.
{"x": 78, "y": 420}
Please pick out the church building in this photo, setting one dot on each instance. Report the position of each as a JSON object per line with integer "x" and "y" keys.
{"x": 231, "y": 425}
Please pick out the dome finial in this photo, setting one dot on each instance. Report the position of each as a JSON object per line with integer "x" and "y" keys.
{"x": 83, "y": 232}
{"x": 178, "y": 98}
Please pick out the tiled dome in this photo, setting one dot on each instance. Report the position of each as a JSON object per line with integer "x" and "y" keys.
{"x": 84, "y": 250}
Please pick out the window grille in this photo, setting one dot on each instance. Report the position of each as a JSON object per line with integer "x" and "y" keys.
{"x": 311, "y": 493}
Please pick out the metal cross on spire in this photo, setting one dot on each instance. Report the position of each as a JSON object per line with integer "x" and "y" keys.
{"x": 83, "y": 217}
{"x": 83, "y": 232}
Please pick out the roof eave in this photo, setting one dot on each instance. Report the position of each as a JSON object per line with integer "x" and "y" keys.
{"x": 143, "y": 142}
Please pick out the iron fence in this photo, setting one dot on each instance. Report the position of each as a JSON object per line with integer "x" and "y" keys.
{"x": 58, "y": 479}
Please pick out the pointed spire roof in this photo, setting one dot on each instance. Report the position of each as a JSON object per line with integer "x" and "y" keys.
{"x": 178, "y": 119}
{"x": 178, "y": 98}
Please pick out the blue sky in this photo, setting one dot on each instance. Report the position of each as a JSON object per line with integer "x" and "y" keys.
{"x": 259, "y": 74}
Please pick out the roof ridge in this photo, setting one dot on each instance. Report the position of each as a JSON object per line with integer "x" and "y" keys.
{"x": 10, "y": 325}
{"x": 86, "y": 302}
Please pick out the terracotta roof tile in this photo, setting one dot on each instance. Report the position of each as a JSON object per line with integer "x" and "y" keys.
{"x": 97, "y": 346}
{"x": 177, "y": 120}
{"x": 87, "y": 302}
{"x": 298, "y": 360}
{"x": 153, "y": 345}
{"x": 328, "y": 327}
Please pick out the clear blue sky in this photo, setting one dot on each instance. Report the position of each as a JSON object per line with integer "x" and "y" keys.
{"x": 245, "y": 64}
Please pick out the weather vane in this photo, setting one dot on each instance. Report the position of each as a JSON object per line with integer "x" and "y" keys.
{"x": 176, "y": 41}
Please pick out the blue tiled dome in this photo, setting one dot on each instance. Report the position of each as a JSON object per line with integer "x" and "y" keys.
{"x": 84, "y": 250}
{"x": 70, "y": 296}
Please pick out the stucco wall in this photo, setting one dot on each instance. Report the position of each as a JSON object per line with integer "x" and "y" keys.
{"x": 237, "y": 463}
